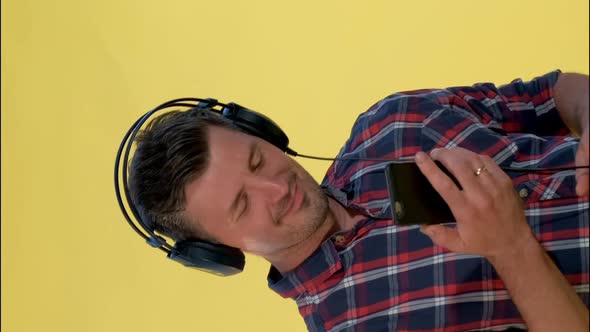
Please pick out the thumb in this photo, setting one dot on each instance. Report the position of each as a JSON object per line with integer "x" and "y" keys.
{"x": 444, "y": 236}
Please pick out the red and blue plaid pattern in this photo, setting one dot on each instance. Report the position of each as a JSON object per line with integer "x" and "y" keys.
{"x": 383, "y": 277}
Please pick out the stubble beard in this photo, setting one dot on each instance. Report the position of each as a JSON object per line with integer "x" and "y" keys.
{"x": 312, "y": 214}
{"x": 313, "y": 210}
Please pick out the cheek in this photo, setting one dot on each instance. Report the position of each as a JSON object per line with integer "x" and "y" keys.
{"x": 257, "y": 231}
{"x": 219, "y": 228}
{"x": 259, "y": 216}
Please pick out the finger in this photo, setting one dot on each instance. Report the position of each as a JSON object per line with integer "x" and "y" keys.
{"x": 496, "y": 184}
{"x": 582, "y": 179}
{"x": 462, "y": 164}
{"x": 582, "y": 176}
{"x": 582, "y": 189}
{"x": 443, "y": 236}
{"x": 486, "y": 177}
{"x": 439, "y": 180}
{"x": 491, "y": 173}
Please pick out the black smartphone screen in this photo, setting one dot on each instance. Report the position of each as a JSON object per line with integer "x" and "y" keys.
{"x": 413, "y": 199}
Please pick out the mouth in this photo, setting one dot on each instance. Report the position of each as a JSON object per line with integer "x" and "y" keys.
{"x": 295, "y": 202}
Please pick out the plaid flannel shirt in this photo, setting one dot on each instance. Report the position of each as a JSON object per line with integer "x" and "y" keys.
{"x": 382, "y": 277}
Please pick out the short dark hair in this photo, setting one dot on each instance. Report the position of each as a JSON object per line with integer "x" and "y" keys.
{"x": 171, "y": 151}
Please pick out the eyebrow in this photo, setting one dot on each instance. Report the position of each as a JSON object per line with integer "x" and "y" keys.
{"x": 236, "y": 201}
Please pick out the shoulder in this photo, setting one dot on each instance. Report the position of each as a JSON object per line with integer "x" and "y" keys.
{"x": 404, "y": 102}
{"x": 396, "y": 114}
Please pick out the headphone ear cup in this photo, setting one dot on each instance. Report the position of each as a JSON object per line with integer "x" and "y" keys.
{"x": 214, "y": 258}
{"x": 256, "y": 124}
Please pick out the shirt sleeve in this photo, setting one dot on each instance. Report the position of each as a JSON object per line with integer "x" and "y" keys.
{"x": 517, "y": 107}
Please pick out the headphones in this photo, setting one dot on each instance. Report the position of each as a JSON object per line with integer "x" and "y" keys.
{"x": 210, "y": 257}
{"x": 214, "y": 258}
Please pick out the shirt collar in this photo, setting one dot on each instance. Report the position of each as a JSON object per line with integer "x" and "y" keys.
{"x": 322, "y": 264}
{"x": 324, "y": 261}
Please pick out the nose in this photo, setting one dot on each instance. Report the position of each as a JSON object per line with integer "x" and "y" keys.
{"x": 273, "y": 188}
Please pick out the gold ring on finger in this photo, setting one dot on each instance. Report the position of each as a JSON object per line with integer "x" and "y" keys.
{"x": 480, "y": 170}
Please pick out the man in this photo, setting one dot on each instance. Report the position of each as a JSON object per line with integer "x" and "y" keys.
{"x": 336, "y": 250}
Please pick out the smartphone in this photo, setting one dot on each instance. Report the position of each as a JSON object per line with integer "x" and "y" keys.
{"x": 413, "y": 199}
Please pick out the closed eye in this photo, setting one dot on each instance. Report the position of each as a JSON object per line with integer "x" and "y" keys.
{"x": 244, "y": 201}
{"x": 258, "y": 160}
{"x": 255, "y": 163}
{"x": 259, "y": 164}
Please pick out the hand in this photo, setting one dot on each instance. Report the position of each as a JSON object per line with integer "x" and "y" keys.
{"x": 489, "y": 214}
{"x": 582, "y": 159}
{"x": 572, "y": 102}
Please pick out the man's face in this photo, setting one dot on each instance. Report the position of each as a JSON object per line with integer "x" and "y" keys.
{"x": 254, "y": 197}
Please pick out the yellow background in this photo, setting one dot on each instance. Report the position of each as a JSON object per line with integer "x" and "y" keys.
{"x": 76, "y": 74}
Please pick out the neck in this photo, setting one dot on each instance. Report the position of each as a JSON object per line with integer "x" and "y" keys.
{"x": 345, "y": 218}
{"x": 337, "y": 219}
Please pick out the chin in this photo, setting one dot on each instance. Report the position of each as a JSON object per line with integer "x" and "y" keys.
{"x": 258, "y": 247}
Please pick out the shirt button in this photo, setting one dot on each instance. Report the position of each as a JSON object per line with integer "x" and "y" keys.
{"x": 523, "y": 193}
{"x": 339, "y": 239}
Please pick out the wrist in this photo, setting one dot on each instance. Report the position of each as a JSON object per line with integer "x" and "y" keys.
{"x": 524, "y": 249}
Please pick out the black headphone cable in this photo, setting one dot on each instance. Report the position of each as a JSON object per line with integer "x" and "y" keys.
{"x": 511, "y": 169}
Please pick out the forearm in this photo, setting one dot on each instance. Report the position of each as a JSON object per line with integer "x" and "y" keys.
{"x": 545, "y": 299}
{"x": 571, "y": 100}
